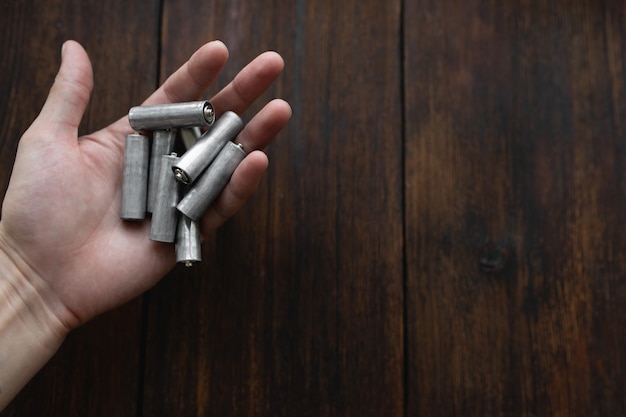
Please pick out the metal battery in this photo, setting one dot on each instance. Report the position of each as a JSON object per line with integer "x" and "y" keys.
{"x": 206, "y": 189}
{"x": 188, "y": 244}
{"x": 135, "y": 177}
{"x": 163, "y": 142}
{"x": 166, "y": 116}
{"x": 165, "y": 215}
{"x": 196, "y": 159}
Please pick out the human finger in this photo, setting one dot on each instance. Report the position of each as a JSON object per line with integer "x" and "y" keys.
{"x": 191, "y": 80}
{"x": 241, "y": 186}
{"x": 265, "y": 125}
{"x": 69, "y": 94}
{"x": 249, "y": 83}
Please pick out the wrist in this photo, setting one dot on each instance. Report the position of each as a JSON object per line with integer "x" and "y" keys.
{"x": 30, "y": 331}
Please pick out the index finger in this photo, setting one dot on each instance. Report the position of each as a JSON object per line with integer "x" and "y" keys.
{"x": 193, "y": 77}
{"x": 249, "y": 83}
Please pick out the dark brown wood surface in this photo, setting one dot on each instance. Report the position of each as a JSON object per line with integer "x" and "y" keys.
{"x": 515, "y": 208}
{"x": 439, "y": 231}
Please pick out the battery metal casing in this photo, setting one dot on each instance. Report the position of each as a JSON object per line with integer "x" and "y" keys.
{"x": 206, "y": 189}
{"x": 166, "y": 116}
{"x": 163, "y": 142}
{"x": 198, "y": 158}
{"x": 165, "y": 215}
{"x": 188, "y": 244}
{"x": 135, "y": 177}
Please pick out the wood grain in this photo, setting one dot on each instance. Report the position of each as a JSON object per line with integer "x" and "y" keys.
{"x": 97, "y": 370}
{"x": 514, "y": 200}
{"x": 297, "y": 307}
{"x": 439, "y": 231}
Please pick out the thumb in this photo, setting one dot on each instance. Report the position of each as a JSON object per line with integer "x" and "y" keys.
{"x": 69, "y": 95}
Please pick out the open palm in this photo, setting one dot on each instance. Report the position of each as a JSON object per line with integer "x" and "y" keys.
{"x": 60, "y": 216}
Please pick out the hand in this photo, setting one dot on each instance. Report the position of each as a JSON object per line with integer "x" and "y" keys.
{"x": 60, "y": 217}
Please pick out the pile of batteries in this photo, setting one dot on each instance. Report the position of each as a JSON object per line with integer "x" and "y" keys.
{"x": 177, "y": 190}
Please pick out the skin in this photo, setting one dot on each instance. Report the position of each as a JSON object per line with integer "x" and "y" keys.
{"x": 65, "y": 253}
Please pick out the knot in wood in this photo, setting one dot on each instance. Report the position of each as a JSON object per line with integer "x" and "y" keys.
{"x": 493, "y": 257}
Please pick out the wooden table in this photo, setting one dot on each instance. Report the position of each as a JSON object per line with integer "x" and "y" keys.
{"x": 440, "y": 231}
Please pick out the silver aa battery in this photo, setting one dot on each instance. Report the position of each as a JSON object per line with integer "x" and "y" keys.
{"x": 165, "y": 215}
{"x": 166, "y": 116}
{"x": 162, "y": 144}
{"x": 204, "y": 191}
{"x": 135, "y": 177}
{"x": 196, "y": 159}
{"x": 188, "y": 245}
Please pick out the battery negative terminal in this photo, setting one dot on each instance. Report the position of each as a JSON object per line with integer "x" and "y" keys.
{"x": 209, "y": 113}
{"x": 180, "y": 175}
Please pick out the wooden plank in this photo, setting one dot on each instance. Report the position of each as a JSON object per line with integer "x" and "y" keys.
{"x": 96, "y": 371}
{"x": 297, "y": 306}
{"x": 514, "y": 206}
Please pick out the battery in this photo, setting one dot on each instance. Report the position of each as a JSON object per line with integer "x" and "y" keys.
{"x": 135, "y": 177}
{"x": 165, "y": 215}
{"x": 200, "y": 155}
{"x": 163, "y": 142}
{"x": 188, "y": 244}
{"x": 206, "y": 189}
{"x": 166, "y": 116}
